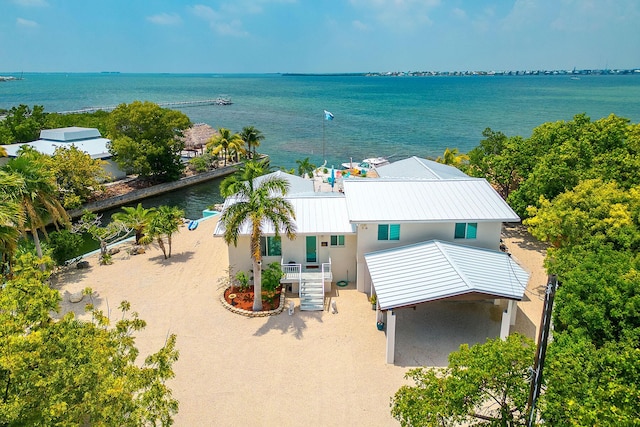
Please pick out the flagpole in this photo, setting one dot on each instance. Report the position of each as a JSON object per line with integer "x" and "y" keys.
{"x": 323, "y": 120}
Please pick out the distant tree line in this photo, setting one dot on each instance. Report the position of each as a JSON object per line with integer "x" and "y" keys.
{"x": 577, "y": 185}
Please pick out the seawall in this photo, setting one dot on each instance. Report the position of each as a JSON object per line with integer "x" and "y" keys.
{"x": 143, "y": 193}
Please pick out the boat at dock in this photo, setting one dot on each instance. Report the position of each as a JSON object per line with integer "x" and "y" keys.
{"x": 366, "y": 164}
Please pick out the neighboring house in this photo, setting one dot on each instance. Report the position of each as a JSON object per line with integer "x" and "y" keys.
{"x": 421, "y": 232}
{"x": 88, "y": 140}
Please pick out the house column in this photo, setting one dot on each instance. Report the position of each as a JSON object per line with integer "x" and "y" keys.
{"x": 391, "y": 336}
{"x": 508, "y": 319}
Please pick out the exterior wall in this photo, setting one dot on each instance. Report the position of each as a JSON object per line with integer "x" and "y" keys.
{"x": 113, "y": 170}
{"x": 343, "y": 259}
{"x": 488, "y": 236}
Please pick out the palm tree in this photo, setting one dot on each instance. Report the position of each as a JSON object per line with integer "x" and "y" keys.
{"x": 222, "y": 142}
{"x": 236, "y": 149}
{"x": 252, "y": 138}
{"x": 10, "y": 216}
{"x": 453, "y": 157}
{"x": 137, "y": 218}
{"x": 305, "y": 167}
{"x": 258, "y": 202}
{"x": 247, "y": 171}
{"x": 38, "y": 197}
{"x": 165, "y": 222}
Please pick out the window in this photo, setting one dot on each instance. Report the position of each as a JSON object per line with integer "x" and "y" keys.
{"x": 388, "y": 231}
{"x": 271, "y": 246}
{"x": 466, "y": 230}
{"x": 337, "y": 240}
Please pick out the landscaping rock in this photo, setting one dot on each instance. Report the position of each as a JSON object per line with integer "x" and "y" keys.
{"x": 82, "y": 265}
{"x": 76, "y": 297}
{"x": 137, "y": 250}
{"x": 113, "y": 251}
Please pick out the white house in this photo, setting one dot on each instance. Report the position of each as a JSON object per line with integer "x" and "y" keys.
{"x": 421, "y": 232}
{"x": 87, "y": 140}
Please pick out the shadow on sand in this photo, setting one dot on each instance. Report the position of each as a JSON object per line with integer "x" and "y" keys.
{"x": 175, "y": 258}
{"x": 521, "y": 237}
{"x": 294, "y": 325}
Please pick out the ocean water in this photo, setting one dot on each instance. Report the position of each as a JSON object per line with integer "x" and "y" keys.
{"x": 374, "y": 116}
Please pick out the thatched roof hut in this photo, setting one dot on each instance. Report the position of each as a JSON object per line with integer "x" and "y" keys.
{"x": 196, "y": 137}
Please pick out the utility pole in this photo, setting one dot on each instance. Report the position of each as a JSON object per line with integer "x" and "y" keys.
{"x": 541, "y": 350}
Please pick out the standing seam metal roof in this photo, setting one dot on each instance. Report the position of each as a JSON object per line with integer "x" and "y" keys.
{"x": 388, "y": 200}
{"x": 434, "y": 270}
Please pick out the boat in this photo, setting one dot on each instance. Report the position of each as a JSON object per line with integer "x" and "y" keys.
{"x": 366, "y": 164}
{"x": 223, "y": 100}
{"x": 193, "y": 224}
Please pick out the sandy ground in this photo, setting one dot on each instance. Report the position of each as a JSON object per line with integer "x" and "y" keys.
{"x": 311, "y": 368}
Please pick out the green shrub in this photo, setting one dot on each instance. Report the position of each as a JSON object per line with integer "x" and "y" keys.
{"x": 65, "y": 245}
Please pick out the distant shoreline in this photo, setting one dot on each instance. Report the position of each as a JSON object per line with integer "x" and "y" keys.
{"x": 542, "y": 72}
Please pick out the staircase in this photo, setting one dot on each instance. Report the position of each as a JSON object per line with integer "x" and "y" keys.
{"x": 311, "y": 295}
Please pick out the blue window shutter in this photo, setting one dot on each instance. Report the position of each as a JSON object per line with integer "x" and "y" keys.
{"x": 460, "y": 230}
{"x": 383, "y": 232}
{"x": 472, "y": 230}
{"x": 394, "y": 232}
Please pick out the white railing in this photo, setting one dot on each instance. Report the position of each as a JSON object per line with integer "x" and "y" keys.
{"x": 326, "y": 270}
{"x": 291, "y": 271}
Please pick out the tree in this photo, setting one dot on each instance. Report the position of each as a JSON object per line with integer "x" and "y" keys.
{"x": 11, "y": 215}
{"x": 145, "y": 140}
{"x": 593, "y": 212}
{"x": 165, "y": 221}
{"x": 3, "y": 152}
{"x": 486, "y": 384}
{"x": 453, "y": 157}
{"x": 247, "y": 171}
{"x": 258, "y": 202}
{"x": 74, "y": 372}
{"x": 252, "y": 138}
{"x": 587, "y": 385}
{"x": 37, "y": 197}
{"x": 498, "y": 159}
{"x": 105, "y": 236}
{"x": 305, "y": 168}
{"x": 137, "y": 218}
{"x": 78, "y": 175}
{"x": 97, "y": 119}
{"x": 65, "y": 245}
{"x": 22, "y": 124}
{"x": 224, "y": 142}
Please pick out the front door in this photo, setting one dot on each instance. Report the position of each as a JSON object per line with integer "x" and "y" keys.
{"x": 312, "y": 250}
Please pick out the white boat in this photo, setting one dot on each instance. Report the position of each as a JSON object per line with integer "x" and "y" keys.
{"x": 366, "y": 164}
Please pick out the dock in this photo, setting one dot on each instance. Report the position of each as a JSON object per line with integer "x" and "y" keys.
{"x": 194, "y": 103}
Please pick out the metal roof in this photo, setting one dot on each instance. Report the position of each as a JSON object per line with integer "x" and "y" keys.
{"x": 296, "y": 184}
{"x": 415, "y": 167}
{"x": 96, "y": 147}
{"x": 436, "y": 270}
{"x": 69, "y": 134}
{"x": 325, "y": 213}
{"x": 389, "y": 200}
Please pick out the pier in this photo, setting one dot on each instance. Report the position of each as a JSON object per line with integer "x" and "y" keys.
{"x": 217, "y": 101}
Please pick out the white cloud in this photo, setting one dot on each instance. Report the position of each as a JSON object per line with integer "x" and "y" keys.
{"x": 398, "y": 14}
{"x": 26, "y": 23}
{"x": 219, "y": 22}
{"x": 359, "y": 25}
{"x": 459, "y": 13}
{"x": 31, "y": 3}
{"x": 165, "y": 19}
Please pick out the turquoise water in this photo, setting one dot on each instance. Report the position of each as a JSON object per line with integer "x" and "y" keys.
{"x": 374, "y": 116}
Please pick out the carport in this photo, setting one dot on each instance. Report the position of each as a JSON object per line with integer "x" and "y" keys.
{"x": 436, "y": 270}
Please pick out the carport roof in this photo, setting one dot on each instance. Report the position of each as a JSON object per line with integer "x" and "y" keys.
{"x": 435, "y": 270}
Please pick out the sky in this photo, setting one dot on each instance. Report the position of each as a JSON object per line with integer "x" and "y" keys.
{"x": 317, "y": 36}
